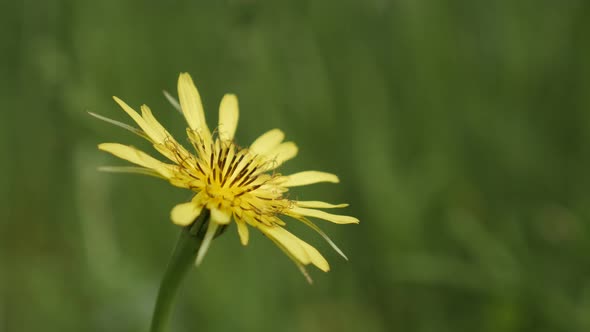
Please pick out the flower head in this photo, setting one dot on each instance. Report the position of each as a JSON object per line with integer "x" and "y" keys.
{"x": 232, "y": 182}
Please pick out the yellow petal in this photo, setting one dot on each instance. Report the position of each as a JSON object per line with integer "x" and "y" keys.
{"x": 230, "y": 155}
{"x": 308, "y": 177}
{"x": 220, "y": 216}
{"x": 228, "y": 117}
{"x": 152, "y": 128}
{"x": 172, "y": 150}
{"x": 335, "y": 218}
{"x": 319, "y": 205}
{"x": 156, "y": 131}
{"x": 243, "y": 231}
{"x": 192, "y": 108}
{"x": 281, "y": 153}
{"x": 184, "y": 214}
{"x": 299, "y": 265}
{"x": 137, "y": 157}
{"x": 183, "y": 181}
{"x": 316, "y": 258}
{"x": 296, "y": 248}
{"x": 131, "y": 112}
{"x": 288, "y": 241}
{"x": 267, "y": 141}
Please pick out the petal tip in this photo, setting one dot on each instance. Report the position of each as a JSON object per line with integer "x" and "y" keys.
{"x": 184, "y": 78}
{"x": 103, "y": 146}
{"x": 118, "y": 100}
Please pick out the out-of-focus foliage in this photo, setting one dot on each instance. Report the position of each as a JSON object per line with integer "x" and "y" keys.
{"x": 460, "y": 131}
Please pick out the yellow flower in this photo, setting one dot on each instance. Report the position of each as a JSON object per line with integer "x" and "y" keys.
{"x": 230, "y": 181}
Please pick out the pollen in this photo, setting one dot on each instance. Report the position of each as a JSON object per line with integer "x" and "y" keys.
{"x": 233, "y": 180}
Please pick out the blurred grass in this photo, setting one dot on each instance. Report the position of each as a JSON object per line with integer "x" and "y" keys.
{"x": 459, "y": 129}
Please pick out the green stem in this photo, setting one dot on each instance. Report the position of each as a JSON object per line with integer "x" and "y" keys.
{"x": 180, "y": 263}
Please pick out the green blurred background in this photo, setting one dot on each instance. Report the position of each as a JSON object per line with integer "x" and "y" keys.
{"x": 459, "y": 130}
